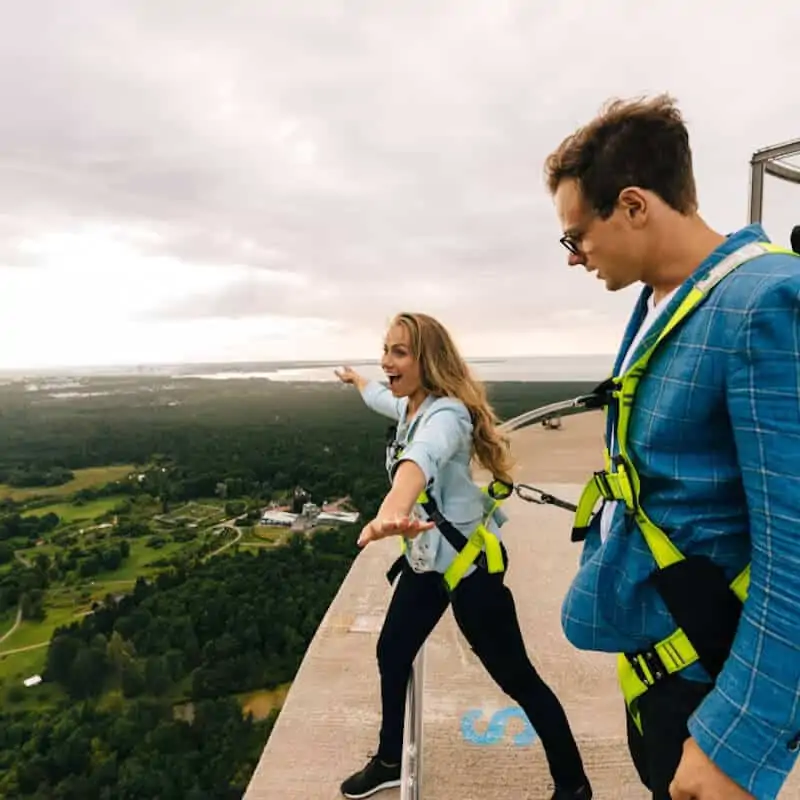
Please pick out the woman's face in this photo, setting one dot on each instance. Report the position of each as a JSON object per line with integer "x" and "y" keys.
{"x": 399, "y": 364}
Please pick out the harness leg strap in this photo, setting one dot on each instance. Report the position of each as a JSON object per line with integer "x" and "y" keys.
{"x": 397, "y": 567}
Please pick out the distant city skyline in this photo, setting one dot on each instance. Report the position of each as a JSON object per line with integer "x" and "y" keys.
{"x": 260, "y": 181}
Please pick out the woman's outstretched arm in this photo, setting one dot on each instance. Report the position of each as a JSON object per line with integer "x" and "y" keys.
{"x": 375, "y": 395}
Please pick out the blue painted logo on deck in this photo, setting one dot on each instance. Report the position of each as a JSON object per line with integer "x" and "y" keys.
{"x": 495, "y": 729}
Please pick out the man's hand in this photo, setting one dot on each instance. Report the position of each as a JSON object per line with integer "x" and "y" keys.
{"x": 699, "y": 778}
{"x": 402, "y": 526}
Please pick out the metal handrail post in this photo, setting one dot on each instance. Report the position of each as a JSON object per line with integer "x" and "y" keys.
{"x": 755, "y": 211}
{"x": 411, "y": 765}
{"x": 770, "y": 161}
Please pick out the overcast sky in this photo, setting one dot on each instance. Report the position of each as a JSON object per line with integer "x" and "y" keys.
{"x": 243, "y": 180}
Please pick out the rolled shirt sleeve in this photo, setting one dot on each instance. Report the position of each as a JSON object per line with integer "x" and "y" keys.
{"x": 749, "y": 724}
{"x": 446, "y": 428}
{"x": 380, "y": 398}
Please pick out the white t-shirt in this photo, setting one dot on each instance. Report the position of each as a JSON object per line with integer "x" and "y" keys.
{"x": 653, "y": 312}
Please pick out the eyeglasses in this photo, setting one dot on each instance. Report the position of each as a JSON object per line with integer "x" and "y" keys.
{"x": 571, "y": 244}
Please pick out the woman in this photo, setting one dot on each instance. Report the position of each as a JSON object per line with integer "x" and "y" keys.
{"x": 443, "y": 420}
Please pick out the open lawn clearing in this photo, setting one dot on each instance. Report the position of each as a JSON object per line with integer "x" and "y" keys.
{"x": 88, "y": 590}
{"x": 84, "y": 479}
{"x": 34, "y": 633}
{"x": 7, "y": 619}
{"x": 27, "y": 556}
{"x": 268, "y": 533}
{"x": 262, "y": 701}
{"x": 14, "y": 669}
{"x": 18, "y": 666}
{"x": 75, "y": 512}
{"x": 140, "y": 561}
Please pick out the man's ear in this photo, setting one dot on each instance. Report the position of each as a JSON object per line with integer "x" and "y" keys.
{"x": 634, "y": 204}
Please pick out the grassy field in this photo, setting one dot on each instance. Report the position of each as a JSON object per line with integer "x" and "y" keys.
{"x": 261, "y": 702}
{"x": 139, "y": 561}
{"x": 15, "y": 668}
{"x": 24, "y": 652}
{"x": 267, "y": 533}
{"x": 34, "y": 633}
{"x": 84, "y": 479}
{"x": 65, "y": 604}
{"x": 70, "y": 512}
{"x": 7, "y": 621}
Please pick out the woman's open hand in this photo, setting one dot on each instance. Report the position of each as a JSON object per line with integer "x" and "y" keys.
{"x": 409, "y": 527}
{"x": 347, "y": 375}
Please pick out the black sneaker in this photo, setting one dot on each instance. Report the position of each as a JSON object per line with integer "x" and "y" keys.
{"x": 584, "y": 793}
{"x": 375, "y": 777}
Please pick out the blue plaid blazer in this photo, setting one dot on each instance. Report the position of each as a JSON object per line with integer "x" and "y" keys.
{"x": 715, "y": 437}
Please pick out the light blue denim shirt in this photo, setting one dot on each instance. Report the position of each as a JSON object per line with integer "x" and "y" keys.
{"x": 441, "y": 447}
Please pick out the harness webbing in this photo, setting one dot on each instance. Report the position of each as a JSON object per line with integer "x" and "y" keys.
{"x": 481, "y": 548}
{"x": 619, "y": 481}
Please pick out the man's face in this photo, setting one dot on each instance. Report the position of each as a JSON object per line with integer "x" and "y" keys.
{"x": 607, "y": 247}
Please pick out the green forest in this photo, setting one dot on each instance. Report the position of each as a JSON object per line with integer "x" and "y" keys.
{"x": 136, "y": 579}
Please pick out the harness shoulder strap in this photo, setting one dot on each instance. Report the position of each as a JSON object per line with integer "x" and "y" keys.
{"x": 618, "y": 481}
{"x": 481, "y": 547}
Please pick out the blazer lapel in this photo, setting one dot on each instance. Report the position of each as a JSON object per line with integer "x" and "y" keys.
{"x": 634, "y": 322}
{"x": 663, "y": 318}
{"x": 750, "y": 233}
{"x": 732, "y": 244}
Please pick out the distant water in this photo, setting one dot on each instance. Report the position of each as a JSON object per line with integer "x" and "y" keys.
{"x": 532, "y": 368}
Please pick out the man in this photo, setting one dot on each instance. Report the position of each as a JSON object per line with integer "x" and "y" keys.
{"x": 713, "y": 433}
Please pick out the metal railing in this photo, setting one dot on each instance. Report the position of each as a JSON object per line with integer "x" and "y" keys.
{"x": 411, "y": 767}
{"x": 563, "y": 408}
{"x": 771, "y": 161}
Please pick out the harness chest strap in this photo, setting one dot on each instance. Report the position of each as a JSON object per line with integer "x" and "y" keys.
{"x": 637, "y": 673}
{"x": 619, "y": 481}
{"x": 469, "y": 549}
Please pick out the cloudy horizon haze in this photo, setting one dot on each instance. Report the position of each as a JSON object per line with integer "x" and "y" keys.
{"x": 242, "y": 181}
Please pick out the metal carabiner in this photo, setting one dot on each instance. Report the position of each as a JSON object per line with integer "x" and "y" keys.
{"x": 533, "y": 495}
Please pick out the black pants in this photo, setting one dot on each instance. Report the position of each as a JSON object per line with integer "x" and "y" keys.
{"x": 484, "y": 610}
{"x": 665, "y": 710}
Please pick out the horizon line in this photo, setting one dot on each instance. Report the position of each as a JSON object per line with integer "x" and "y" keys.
{"x": 273, "y": 363}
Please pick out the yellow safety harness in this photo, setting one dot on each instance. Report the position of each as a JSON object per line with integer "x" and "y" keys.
{"x": 619, "y": 481}
{"x": 481, "y": 548}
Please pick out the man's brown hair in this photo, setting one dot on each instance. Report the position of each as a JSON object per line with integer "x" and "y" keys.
{"x": 640, "y": 142}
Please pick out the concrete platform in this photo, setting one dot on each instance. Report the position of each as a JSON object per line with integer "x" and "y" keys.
{"x": 477, "y": 744}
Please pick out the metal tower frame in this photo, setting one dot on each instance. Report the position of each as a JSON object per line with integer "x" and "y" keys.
{"x": 771, "y": 161}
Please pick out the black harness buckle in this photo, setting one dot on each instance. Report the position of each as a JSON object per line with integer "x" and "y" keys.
{"x": 658, "y": 669}
{"x": 601, "y": 478}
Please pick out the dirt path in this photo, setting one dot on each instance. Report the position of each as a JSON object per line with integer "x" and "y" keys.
{"x": 227, "y": 544}
{"x": 13, "y": 627}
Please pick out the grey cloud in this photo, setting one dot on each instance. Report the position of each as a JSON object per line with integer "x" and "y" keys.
{"x": 367, "y": 148}
{"x": 495, "y": 302}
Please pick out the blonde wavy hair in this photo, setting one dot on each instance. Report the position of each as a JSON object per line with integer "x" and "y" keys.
{"x": 444, "y": 373}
